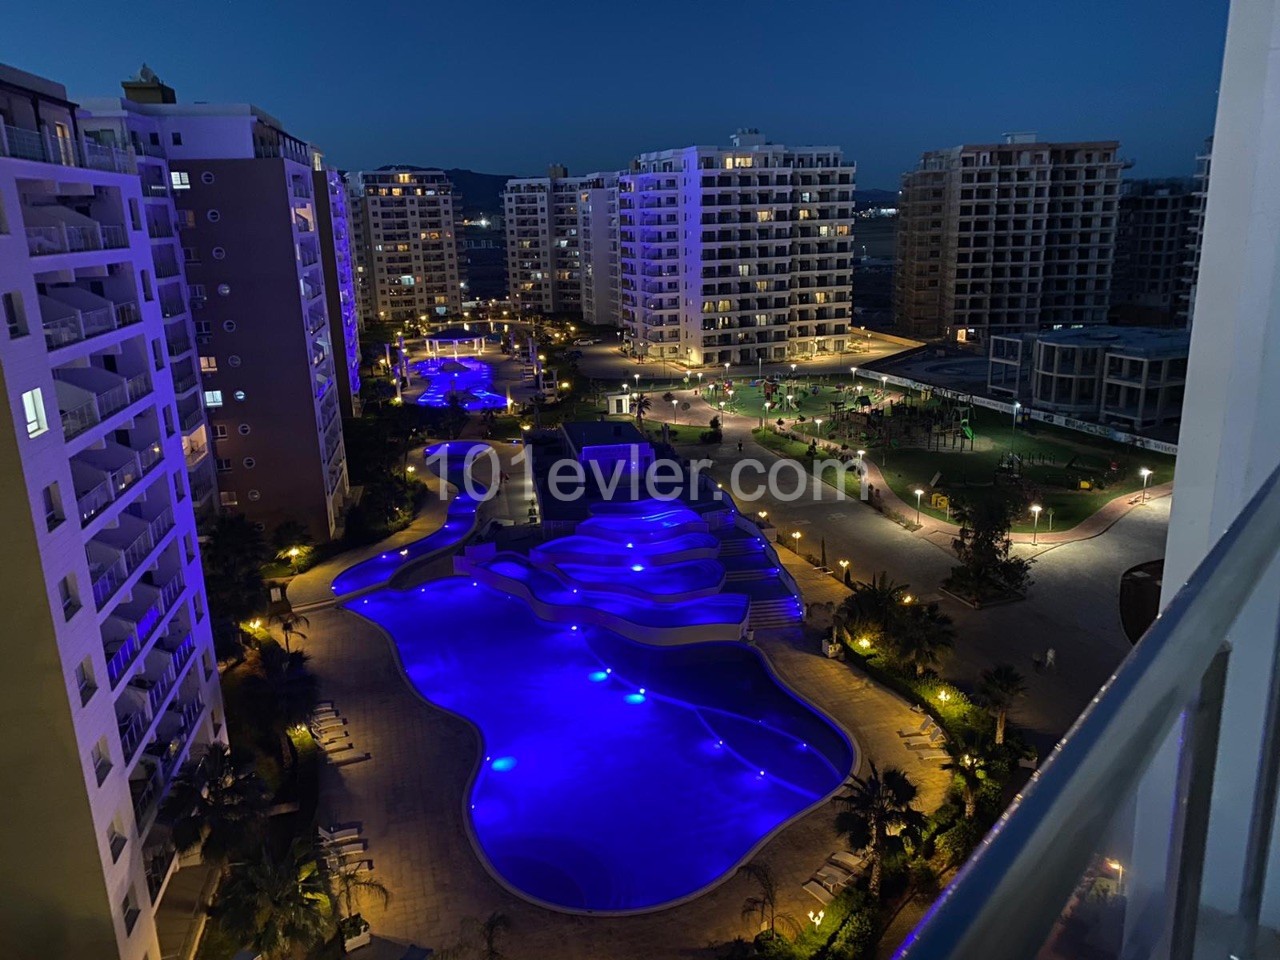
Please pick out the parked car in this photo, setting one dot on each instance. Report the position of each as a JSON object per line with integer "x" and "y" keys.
{"x": 585, "y": 342}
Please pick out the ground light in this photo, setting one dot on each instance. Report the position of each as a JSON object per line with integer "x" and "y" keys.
{"x": 1035, "y": 526}
{"x": 1146, "y": 475}
{"x": 919, "y": 494}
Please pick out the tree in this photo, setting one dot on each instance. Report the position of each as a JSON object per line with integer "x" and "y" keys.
{"x": 216, "y": 806}
{"x": 284, "y": 691}
{"x": 984, "y": 548}
{"x": 970, "y": 759}
{"x": 921, "y": 632}
{"x": 998, "y": 688}
{"x": 288, "y": 535}
{"x": 493, "y": 928}
{"x": 349, "y": 885}
{"x": 877, "y": 601}
{"x": 279, "y": 906}
{"x": 878, "y": 817}
{"x": 642, "y": 406}
{"x": 232, "y": 554}
{"x": 764, "y": 903}
{"x": 290, "y": 624}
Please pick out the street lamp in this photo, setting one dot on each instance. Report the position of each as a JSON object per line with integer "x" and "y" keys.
{"x": 793, "y": 369}
{"x": 919, "y": 494}
{"x": 763, "y": 514}
{"x": 795, "y": 537}
{"x": 726, "y": 369}
{"x": 861, "y": 454}
{"x": 853, "y": 375}
{"x": 1146, "y": 475}
{"x": 818, "y": 426}
{"x": 1035, "y": 526}
{"x": 637, "y": 376}
{"x": 674, "y": 414}
{"x": 767, "y": 405}
{"x": 1013, "y": 427}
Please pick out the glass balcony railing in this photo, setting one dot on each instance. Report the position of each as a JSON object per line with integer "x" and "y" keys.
{"x": 43, "y": 146}
{"x": 1007, "y": 902}
{"x": 80, "y": 418}
{"x": 74, "y": 325}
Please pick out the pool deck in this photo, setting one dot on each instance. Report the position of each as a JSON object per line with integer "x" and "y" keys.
{"x": 409, "y": 800}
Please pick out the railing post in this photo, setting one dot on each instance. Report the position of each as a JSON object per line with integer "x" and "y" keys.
{"x": 1191, "y": 822}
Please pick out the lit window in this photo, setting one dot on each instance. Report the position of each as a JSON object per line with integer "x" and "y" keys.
{"x": 179, "y": 180}
{"x": 33, "y": 409}
{"x": 213, "y": 398}
{"x": 208, "y": 364}
{"x": 228, "y": 498}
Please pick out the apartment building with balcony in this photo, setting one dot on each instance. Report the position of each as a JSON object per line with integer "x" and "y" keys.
{"x": 562, "y": 247}
{"x": 110, "y": 682}
{"x": 1152, "y": 274}
{"x": 411, "y": 231}
{"x": 1007, "y": 237}
{"x": 336, "y": 255}
{"x": 736, "y": 254}
{"x": 246, "y": 210}
{"x": 1195, "y": 234}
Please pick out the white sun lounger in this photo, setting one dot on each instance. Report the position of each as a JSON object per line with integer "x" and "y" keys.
{"x": 852, "y": 862}
{"x": 817, "y": 891}
{"x": 336, "y": 834}
{"x": 344, "y": 848}
{"x": 324, "y": 722}
{"x": 935, "y": 755}
{"x": 833, "y": 877}
{"x": 925, "y": 724}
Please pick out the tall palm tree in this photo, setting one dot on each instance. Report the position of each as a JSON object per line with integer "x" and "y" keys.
{"x": 290, "y": 624}
{"x": 278, "y": 906}
{"x": 878, "y": 816}
{"x": 998, "y": 688}
{"x": 284, "y": 691}
{"x": 216, "y": 806}
{"x": 349, "y": 885}
{"x": 878, "y": 599}
{"x": 970, "y": 759}
{"x": 764, "y": 904}
{"x": 232, "y": 552}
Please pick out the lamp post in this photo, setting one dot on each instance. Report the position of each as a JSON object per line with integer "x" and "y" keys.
{"x": 795, "y": 542}
{"x": 853, "y": 375}
{"x": 817, "y": 426}
{"x": 1146, "y": 475}
{"x": 919, "y": 494}
{"x": 1013, "y": 426}
{"x": 764, "y": 413}
{"x": 674, "y": 415}
{"x": 726, "y": 369}
{"x": 637, "y": 376}
{"x": 1035, "y": 522}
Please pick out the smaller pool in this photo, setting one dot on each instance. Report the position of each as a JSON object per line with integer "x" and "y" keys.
{"x": 471, "y": 381}
{"x": 460, "y": 521}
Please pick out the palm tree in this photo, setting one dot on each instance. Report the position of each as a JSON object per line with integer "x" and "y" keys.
{"x": 642, "y": 406}
{"x": 920, "y": 635}
{"x": 292, "y": 542}
{"x": 878, "y": 816}
{"x": 970, "y": 760}
{"x": 878, "y": 600}
{"x": 350, "y": 884}
{"x": 285, "y": 691}
{"x": 289, "y": 624}
{"x": 998, "y": 688}
{"x": 216, "y": 806}
{"x": 494, "y": 926}
{"x": 278, "y": 906}
{"x": 765, "y": 903}
{"x": 232, "y": 553}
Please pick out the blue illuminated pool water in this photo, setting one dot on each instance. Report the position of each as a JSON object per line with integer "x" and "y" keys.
{"x": 473, "y": 382}
{"x": 460, "y": 519}
{"x": 617, "y": 776}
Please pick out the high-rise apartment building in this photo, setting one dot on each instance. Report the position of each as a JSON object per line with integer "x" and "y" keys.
{"x": 247, "y": 212}
{"x": 562, "y": 249}
{"x": 1007, "y": 237}
{"x": 110, "y": 682}
{"x": 1149, "y": 286}
{"x": 336, "y": 255}
{"x": 411, "y": 225}
{"x": 736, "y": 254}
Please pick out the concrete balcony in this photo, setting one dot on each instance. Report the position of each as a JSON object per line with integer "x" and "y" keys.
{"x": 132, "y": 725}
{"x": 89, "y": 395}
{"x": 104, "y": 474}
{"x": 129, "y": 628}
{"x": 72, "y": 315}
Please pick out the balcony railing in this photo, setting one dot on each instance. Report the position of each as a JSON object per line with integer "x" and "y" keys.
{"x": 132, "y": 728}
{"x": 1004, "y": 902}
{"x": 94, "y": 500}
{"x": 120, "y": 659}
{"x": 77, "y": 325}
{"x": 79, "y": 419}
{"x": 44, "y": 146}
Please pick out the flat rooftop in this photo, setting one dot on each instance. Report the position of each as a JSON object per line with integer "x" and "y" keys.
{"x": 1137, "y": 341}
{"x": 597, "y": 433}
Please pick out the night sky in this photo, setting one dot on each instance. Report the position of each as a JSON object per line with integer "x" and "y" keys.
{"x": 506, "y": 87}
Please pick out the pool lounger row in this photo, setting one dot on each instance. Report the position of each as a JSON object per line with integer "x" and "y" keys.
{"x": 839, "y": 870}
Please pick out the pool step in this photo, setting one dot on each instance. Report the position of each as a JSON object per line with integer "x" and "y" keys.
{"x": 783, "y": 612}
{"x": 739, "y": 547}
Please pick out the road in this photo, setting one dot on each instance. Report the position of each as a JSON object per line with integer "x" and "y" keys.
{"x": 1072, "y": 606}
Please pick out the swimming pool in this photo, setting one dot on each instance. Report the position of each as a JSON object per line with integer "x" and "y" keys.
{"x": 616, "y": 776}
{"x": 471, "y": 380}
{"x": 460, "y": 521}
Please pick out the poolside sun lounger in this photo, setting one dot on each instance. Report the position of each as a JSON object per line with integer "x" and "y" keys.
{"x": 349, "y": 759}
{"x": 816, "y": 890}
{"x": 925, "y": 724}
{"x": 325, "y": 722}
{"x": 852, "y": 862}
{"x": 833, "y": 877}
{"x": 935, "y": 755}
{"x": 344, "y": 848}
{"x": 335, "y": 833}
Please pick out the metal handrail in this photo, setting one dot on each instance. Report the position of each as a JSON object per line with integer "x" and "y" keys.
{"x": 1005, "y": 900}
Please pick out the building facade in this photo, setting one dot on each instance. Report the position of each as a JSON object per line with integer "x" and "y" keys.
{"x": 562, "y": 244}
{"x": 411, "y": 228}
{"x": 1007, "y": 237}
{"x": 337, "y": 257}
{"x": 1195, "y": 234}
{"x": 110, "y": 682}
{"x": 1129, "y": 377}
{"x": 1152, "y": 273}
{"x": 736, "y": 254}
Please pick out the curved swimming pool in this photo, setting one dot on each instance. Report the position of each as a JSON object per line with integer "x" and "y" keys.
{"x": 460, "y": 521}
{"x": 617, "y": 776}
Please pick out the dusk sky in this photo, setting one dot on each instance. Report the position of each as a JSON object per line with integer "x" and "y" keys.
{"x": 506, "y": 87}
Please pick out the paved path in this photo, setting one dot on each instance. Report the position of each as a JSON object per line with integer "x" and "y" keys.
{"x": 1072, "y": 605}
